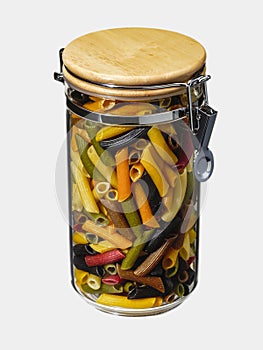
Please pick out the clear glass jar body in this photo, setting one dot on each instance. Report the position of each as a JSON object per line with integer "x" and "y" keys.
{"x": 134, "y": 204}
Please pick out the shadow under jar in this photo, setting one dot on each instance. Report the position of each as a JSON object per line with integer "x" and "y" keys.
{"x": 138, "y": 130}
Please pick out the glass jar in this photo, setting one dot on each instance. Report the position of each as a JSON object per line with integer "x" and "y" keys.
{"x": 137, "y": 152}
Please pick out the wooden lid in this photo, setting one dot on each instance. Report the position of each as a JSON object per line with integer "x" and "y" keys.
{"x": 131, "y": 56}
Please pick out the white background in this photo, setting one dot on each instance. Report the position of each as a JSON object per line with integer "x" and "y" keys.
{"x": 39, "y": 308}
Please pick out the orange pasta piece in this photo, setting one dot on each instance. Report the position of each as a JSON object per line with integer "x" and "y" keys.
{"x": 123, "y": 174}
{"x": 144, "y": 206}
{"x": 136, "y": 172}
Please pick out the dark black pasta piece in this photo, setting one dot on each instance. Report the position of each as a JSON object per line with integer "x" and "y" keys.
{"x": 124, "y": 140}
{"x": 143, "y": 292}
{"x": 157, "y": 271}
{"x": 79, "y": 263}
{"x": 191, "y": 276}
{"x": 161, "y": 234}
{"x": 150, "y": 189}
{"x": 169, "y": 284}
{"x": 83, "y": 250}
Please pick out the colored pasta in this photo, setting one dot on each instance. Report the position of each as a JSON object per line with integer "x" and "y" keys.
{"x": 123, "y": 177}
{"x": 143, "y": 206}
{"x": 107, "y": 171}
{"x": 121, "y": 301}
{"x": 154, "y": 171}
{"x": 108, "y": 233}
{"x": 87, "y": 197}
{"x": 136, "y": 172}
{"x": 161, "y": 146}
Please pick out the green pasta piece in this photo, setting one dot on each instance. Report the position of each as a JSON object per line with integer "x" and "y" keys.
{"x": 132, "y": 216}
{"x": 173, "y": 270}
{"x": 88, "y": 165}
{"x": 189, "y": 188}
{"x": 91, "y": 238}
{"x": 179, "y": 290}
{"x": 111, "y": 269}
{"x": 104, "y": 155}
{"x": 98, "y": 219}
{"x": 135, "y": 250}
{"x": 128, "y": 286}
{"x": 104, "y": 288}
{"x": 132, "y": 255}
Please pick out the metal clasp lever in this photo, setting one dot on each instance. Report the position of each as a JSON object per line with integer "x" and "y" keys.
{"x": 59, "y": 76}
{"x": 204, "y": 159}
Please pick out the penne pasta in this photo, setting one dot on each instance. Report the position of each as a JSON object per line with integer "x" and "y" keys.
{"x": 136, "y": 172}
{"x": 103, "y": 246}
{"x": 100, "y": 105}
{"x": 154, "y": 170}
{"x": 81, "y": 276}
{"x": 87, "y": 197}
{"x": 76, "y": 199}
{"x": 130, "y": 212}
{"x": 111, "y": 131}
{"x": 122, "y": 301}
{"x": 169, "y": 259}
{"x": 134, "y": 157}
{"x": 185, "y": 251}
{"x": 153, "y": 259}
{"x": 107, "y": 171}
{"x": 111, "y": 269}
{"x": 171, "y": 174}
{"x": 77, "y": 131}
{"x": 108, "y": 233}
{"x": 140, "y": 144}
{"x": 123, "y": 176}
{"x": 100, "y": 189}
{"x": 143, "y": 206}
{"x": 104, "y": 288}
{"x": 152, "y": 281}
{"x": 94, "y": 281}
{"x": 174, "y": 198}
{"x": 161, "y": 146}
{"x": 79, "y": 238}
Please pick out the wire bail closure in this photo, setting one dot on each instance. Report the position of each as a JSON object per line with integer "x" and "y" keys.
{"x": 201, "y": 119}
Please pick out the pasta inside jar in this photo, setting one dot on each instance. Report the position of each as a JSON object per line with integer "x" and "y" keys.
{"x": 134, "y": 203}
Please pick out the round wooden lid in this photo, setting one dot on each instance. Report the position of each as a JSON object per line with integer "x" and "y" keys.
{"x": 131, "y": 56}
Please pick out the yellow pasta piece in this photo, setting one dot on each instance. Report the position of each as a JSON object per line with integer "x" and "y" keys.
{"x": 107, "y": 171}
{"x": 135, "y": 108}
{"x": 94, "y": 281}
{"x": 174, "y": 198}
{"x": 123, "y": 176}
{"x": 100, "y": 189}
{"x": 136, "y": 172}
{"x": 111, "y": 131}
{"x": 76, "y": 199}
{"x": 185, "y": 251}
{"x": 87, "y": 197}
{"x": 99, "y": 105}
{"x": 103, "y": 246}
{"x": 79, "y": 237}
{"x": 74, "y": 156}
{"x": 154, "y": 170}
{"x": 81, "y": 276}
{"x": 170, "y": 258}
{"x": 82, "y": 132}
{"x": 161, "y": 146}
{"x": 192, "y": 236}
{"x": 144, "y": 206}
{"x": 122, "y": 301}
{"x": 108, "y": 233}
{"x": 170, "y": 174}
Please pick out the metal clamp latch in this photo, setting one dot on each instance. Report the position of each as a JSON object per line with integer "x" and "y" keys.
{"x": 204, "y": 159}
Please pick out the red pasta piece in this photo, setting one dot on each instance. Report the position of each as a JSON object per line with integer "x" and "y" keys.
{"x": 112, "y": 280}
{"x": 190, "y": 260}
{"x": 78, "y": 227}
{"x": 104, "y": 258}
